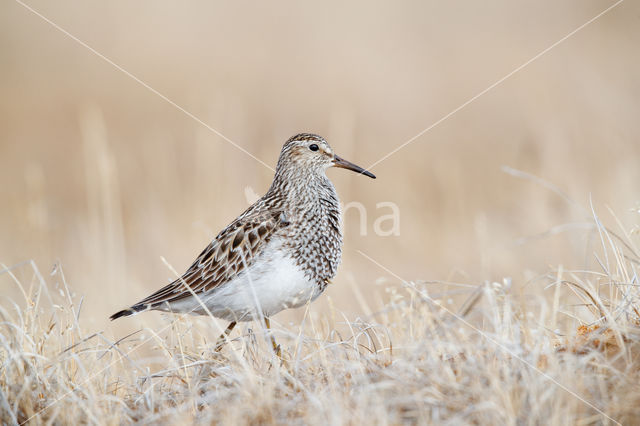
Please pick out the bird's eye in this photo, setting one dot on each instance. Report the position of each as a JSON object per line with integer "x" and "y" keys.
{"x": 313, "y": 147}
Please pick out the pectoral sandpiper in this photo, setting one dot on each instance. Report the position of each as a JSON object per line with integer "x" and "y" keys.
{"x": 280, "y": 253}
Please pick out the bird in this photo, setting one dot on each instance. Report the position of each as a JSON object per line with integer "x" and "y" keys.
{"x": 280, "y": 253}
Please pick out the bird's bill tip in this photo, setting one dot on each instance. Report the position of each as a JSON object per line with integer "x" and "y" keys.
{"x": 344, "y": 164}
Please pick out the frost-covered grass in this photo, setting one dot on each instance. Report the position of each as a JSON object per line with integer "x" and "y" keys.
{"x": 504, "y": 356}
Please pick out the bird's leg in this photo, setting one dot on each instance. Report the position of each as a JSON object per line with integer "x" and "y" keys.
{"x": 223, "y": 336}
{"x": 276, "y": 347}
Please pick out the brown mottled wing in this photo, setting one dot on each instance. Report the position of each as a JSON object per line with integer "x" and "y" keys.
{"x": 234, "y": 249}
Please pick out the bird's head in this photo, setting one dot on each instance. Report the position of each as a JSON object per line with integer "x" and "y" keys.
{"x": 311, "y": 152}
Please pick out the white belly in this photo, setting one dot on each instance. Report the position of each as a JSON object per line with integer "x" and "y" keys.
{"x": 272, "y": 283}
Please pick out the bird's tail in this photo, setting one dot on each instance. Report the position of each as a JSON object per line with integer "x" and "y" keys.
{"x": 129, "y": 311}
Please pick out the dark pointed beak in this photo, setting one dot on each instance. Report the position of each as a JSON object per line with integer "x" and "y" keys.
{"x": 344, "y": 164}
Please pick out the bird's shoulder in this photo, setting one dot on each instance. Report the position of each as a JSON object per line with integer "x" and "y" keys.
{"x": 245, "y": 236}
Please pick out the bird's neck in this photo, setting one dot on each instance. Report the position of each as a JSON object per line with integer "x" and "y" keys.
{"x": 300, "y": 189}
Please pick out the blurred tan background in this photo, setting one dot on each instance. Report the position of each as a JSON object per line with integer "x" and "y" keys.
{"x": 105, "y": 177}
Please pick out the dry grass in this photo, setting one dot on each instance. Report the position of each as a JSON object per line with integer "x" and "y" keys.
{"x": 503, "y": 357}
